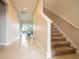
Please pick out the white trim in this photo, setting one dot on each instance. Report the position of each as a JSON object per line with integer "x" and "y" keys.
{"x": 64, "y": 19}
{"x": 49, "y": 54}
{"x": 8, "y": 43}
{"x": 40, "y": 46}
{"x": 46, "y": 18}
{"x": 49, "y": 22}
{"x": 2, "y": 44}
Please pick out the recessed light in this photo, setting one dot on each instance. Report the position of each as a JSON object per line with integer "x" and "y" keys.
{"x": 25, "y": 8}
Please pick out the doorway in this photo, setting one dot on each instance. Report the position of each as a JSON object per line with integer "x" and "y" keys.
{"x": 2, "y": 21}
{"x": 26, "y": 27}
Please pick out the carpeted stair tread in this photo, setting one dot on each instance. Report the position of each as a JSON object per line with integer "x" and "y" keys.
{"x": 54, "y": 31}
{"x": 63, "y": 50}
{"x": 60, "y": 44}
{"x": 54, "y": 28}
{"x": 58, "y": 38}
{"x": 56, "y": 34}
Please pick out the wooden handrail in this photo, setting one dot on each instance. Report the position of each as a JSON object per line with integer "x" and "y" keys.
{"x": 4, "y": 2}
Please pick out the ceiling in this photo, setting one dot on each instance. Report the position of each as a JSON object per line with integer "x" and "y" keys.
{"x": 25, "y": 4}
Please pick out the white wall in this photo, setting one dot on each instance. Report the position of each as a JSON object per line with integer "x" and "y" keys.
{"x": 8, "y": 24}
{"x": 12, "y": 29}
{"x": 67, "y": 9}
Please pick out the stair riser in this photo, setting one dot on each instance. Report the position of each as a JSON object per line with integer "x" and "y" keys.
{"x": 64, "y": 52}
{"x": 53, "y": 28}
{"x": 60, "y": 45}
{"x": 55, "y": 31}
{"x": 56, "y": 35}
{"x": 52, "y": 25}
{"x": 57, "y": 40}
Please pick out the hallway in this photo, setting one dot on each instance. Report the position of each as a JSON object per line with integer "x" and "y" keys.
{"x": 29, "y": 31}
{"x": 30, "y": 52}
{"x": 16, "y": 52}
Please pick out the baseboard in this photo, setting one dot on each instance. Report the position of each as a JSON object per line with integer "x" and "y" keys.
{"x": 2, "y": 45}
{"x": 64, "y": 19}
{"x": 9, "y": 43}
{"x": 43, "y": 50}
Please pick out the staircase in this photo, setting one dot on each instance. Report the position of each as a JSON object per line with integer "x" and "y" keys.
{"x": 59, "y": 44}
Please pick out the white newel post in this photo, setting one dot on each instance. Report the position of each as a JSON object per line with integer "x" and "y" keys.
{"x": 49, "y": 40}
{"x": 49, "y": 22}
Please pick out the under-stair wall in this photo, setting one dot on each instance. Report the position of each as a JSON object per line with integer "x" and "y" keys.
{"x": 42, "y": 30}
{"x": 39, "y": 26}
